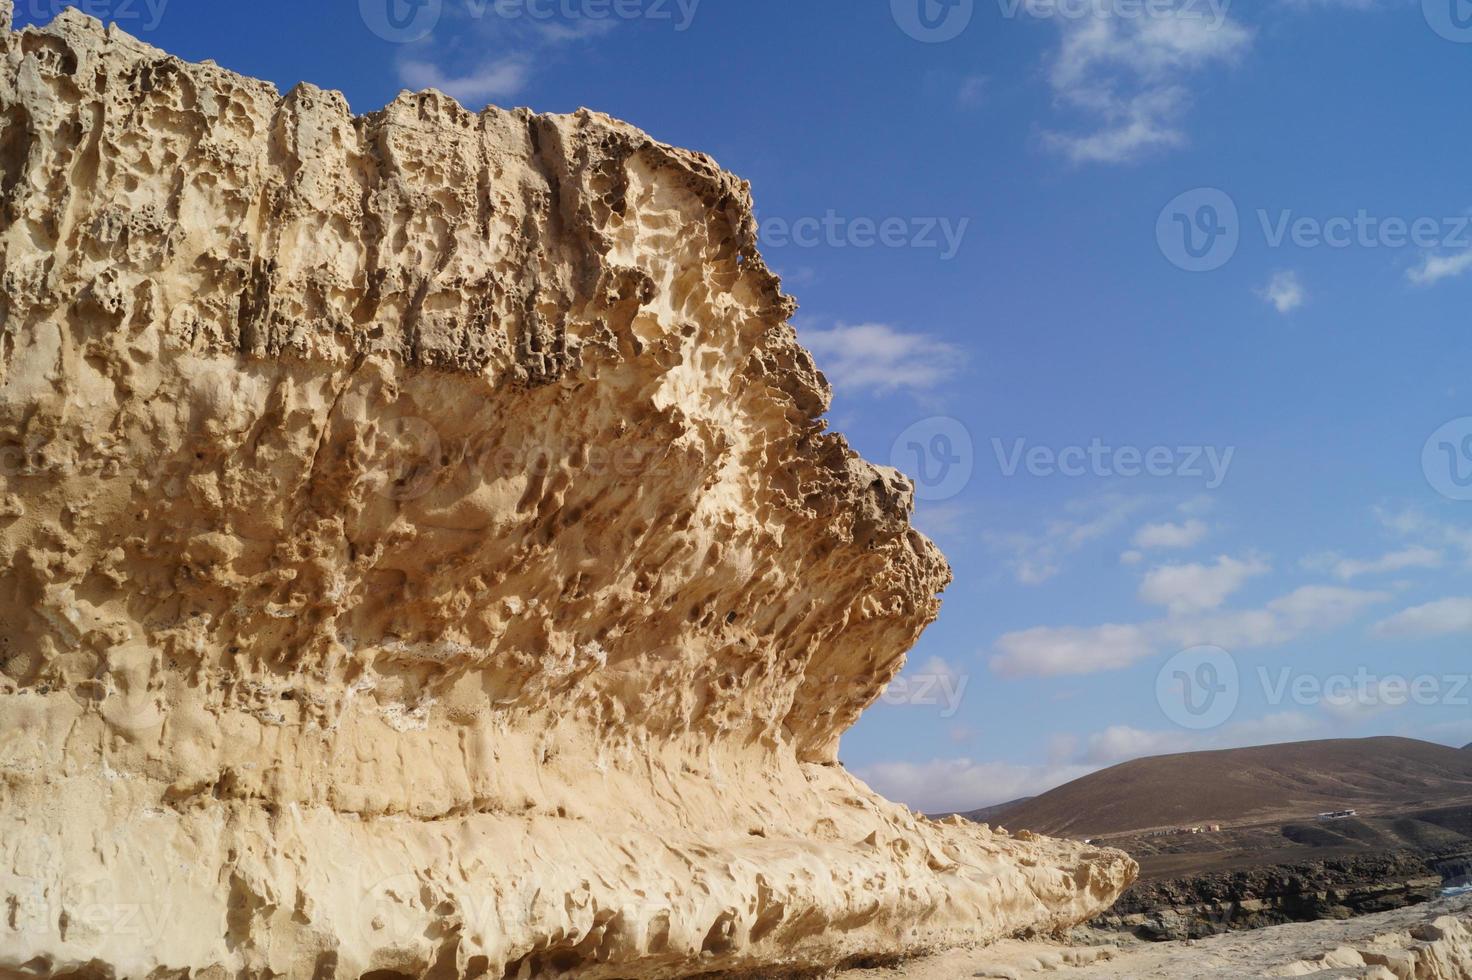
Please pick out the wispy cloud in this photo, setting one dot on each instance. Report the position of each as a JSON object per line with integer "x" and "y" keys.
{"x": 876, "y": 357}
{"x": 1445, "y": 617}
{"x": 1434, "y": 268}
{"x": 499, "y": 79}
{"x": 964, "y": 784}
{"x": 959, "y": 785}
{"x": 1346, "y": 569}
{"x": 1416, "y": 526}
{"x": 1186, "y": 589}
{"x": 479, "y": 54}
{"x": 1037, "y": 557}
{"x": 1121, "y": 743}
{"x": 1053, "y": 651}
{"x": 1284, "y": 292}
{"x": 972, "y": 91}
{"x": 1167, "y": 535}
{"x": 1128, "y": 74}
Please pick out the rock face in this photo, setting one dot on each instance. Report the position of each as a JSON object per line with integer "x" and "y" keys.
{"x": 1338, "y": 888}
{"x": 1425, "y": 943}
{"x": 421, "y": 555}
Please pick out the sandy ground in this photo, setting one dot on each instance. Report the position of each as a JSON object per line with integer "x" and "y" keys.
{"x": 1292, "y": 950}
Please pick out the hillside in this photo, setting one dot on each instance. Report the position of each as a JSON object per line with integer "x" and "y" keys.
{"x": 1244, "y": 786}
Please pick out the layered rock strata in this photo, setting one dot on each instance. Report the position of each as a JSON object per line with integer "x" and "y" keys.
{"x": 422, "y": 554}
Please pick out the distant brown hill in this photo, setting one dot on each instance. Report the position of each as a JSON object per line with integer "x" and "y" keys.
{"x": 992, "y": 814}
{"x": 1245, "y": 786}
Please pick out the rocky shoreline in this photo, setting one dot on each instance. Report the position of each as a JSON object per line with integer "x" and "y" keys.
{"x": 1431, "y": 941}
{"x": 1197, "y": 906}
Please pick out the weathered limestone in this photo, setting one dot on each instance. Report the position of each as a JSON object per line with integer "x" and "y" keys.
{"x": 421, "y": 555}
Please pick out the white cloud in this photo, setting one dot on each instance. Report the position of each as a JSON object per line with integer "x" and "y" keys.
{"x": 1354, "y": 703}
{"x": 1128, "y": 75}
{"x": 1132, "y": 558}
{"x": 1346, "y": 569}
{"x": 477, "y": 55}
{"x": 877, "y": 357}
{"x": 1434, "y": 268}
{"x": 1186, "y": 589}
{"x": 1036, "y": 558}
{"x": 1284, "y": 292}
{"x": 1122, "y": 743}
{"x": 960, "y": 785}
{"x": 1317, "y": 607}
{"x": 1053, "y": 651}
{"x": 1441, "y": 618}
{"x": 1202, "y": 503}
{"x": 964, "y": 784}
{"x": 1171, "y": 536}
{"x": 972, "y": 92}
{"x": 1415, "y": 526}
{"x": 500, "y": 79}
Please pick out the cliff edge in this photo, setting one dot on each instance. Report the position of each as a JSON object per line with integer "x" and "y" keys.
{"x": 421, "y": 555}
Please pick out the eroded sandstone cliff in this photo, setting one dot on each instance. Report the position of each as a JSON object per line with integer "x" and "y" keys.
{"x": 421, "y": 554}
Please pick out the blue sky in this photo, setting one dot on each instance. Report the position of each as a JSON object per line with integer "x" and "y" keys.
{"x": 991, "y": 224}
